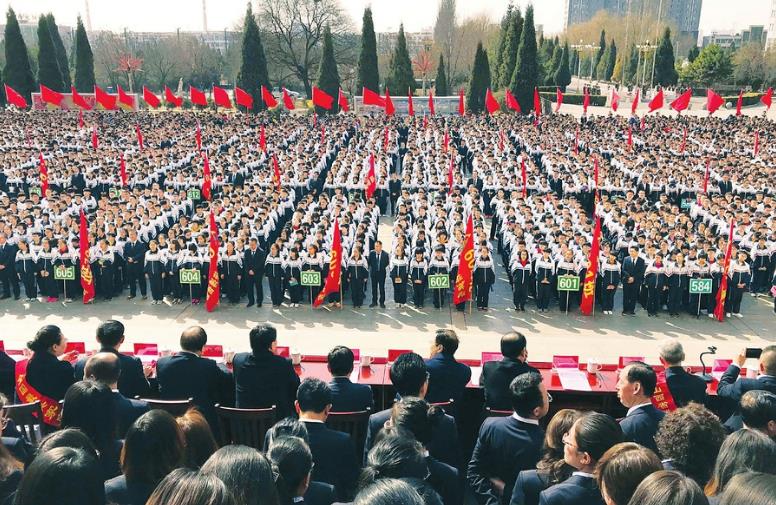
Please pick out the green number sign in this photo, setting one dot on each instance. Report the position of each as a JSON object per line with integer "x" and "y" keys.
{"x": 114, "y": 192}
{"x": 310, "y": 278}
{"x": 568, "y": 283}
{"x": 700, "y": 286}
{"x": 63, "y": 273}
{"x": 439, "y": 281}
{"x": 687, "y": 203}
{"x": 190, "y": 276}
{"x": 35, "y": 190}
{"x": 194, "y": 194}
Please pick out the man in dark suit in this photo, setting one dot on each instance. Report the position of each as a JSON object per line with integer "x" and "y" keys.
{"x": 507, "y": 445}
{"x": 497, "y": 376}
{"x": 8, "y": 269}
{"x": 334, "y": 453}
{"x": 448, "y": 378}
{"x": 105, "y": 367}
{"x": 262, "y": 378}
{"x": 345, "y": 395}
{"x": 188, "y": 375}
{"x": 134, "y": 254}
{"x": 378, "y": 264}
{"x": 634, "y": 389}
{"x": 253, "y": 266}
{"x": 7, "y": 375}
{"x": 632, "y": 275}
{"x": 734, "y": 389}
{"x": 409, "y": 376}
{"x": 684, "y": 387}
{"x": 132, "y": 381}
{"x": 725, "y": 185}
{"x": 394, "y": 191}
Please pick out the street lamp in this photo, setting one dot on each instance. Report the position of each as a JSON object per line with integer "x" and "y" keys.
{"x": 646, "y": 47}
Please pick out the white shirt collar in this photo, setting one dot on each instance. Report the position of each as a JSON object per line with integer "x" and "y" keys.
{"x": 632, "y": 409}
{"x": 583, "y": 474}
{"x": 305, "y": 420}
{"x": 522, "y": 419}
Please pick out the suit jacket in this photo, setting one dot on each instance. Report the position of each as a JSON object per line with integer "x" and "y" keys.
{"x": 319, "y": 493}
{"x": 7, "y": 375}
{"x": 685, "y": 387}
{"x": 135, "y": 251}
{"x": 334, "y": 455}
{"x": 496, "y": 378}
{"x": 528, "y": 486}
{"x": 254, "y": 261}
{"x": 444, "y": 479}
{"x": 127, "y": 411}
{"x": 350, "y": 397}
{"x": 19, "y": 447}
{"x": 576, "y": 490}
{"x": 263, "y": 379}
{"x": 49, "y": 376}
{"x": 505, "y": 446}
{"x": 7, "y": 257}
{"x": 119, "y": 492}
{"x": 448, "y": 378}
{"x": 633, "y": 269}
{"x": 641, "y": 425}
{"x": 132, "y": 381}
{"x": 378, "y": 263}
{"x": 444, "y": 445}
{"x": 734, "y": 389}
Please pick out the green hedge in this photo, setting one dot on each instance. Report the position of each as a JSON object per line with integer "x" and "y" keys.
{"x": 748, "y": 99}
{"x": 576, "y": 98}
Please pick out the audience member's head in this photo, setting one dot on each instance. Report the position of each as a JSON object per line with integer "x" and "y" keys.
{"x": 691, "y": 437}
{"x": 416, "y": 416}
{"x": 636, "y": 384}
{"x": 768, "y": 361}
{"x": 622, "y": 468}
{"x": 286, "y": 427}
{"x": 750, "y": 488}
{"x": 153, "y": 448}
{"x": 340, "y": 361}
{"x": 64, "y": 476}
{"x": 514, "y": 346}
{"x": 529, "y": 396}
{"x": 445, "y": 342}
{"x": 758, "y": 411}
{"x": 409, "y": 375}
{"x": 246, "y": 472}
{"x": 110, "y": 334}
{"x": 184, "y": 486}
{"x": 68, "y": 437}
{"x": 263, "y": 337}
{"x": 193, "y": 339}
{"x": 48, "y": 339}
{"x": 589, "y": 438}
{"x": 313, "y": 399}
{"x": 292, "y": 463}
{"x": 89, "y": 407}
{"x": 388, "y": 492}
{"x": 668, "y": 488}
{"x": 671, "y": 353}
{"x": 744, "y": 450}
{"x": 198, "y": 438}
{"x": 396, "y": 457}
{"x": 552, "y": 463}
{"x": 103, "y": 367}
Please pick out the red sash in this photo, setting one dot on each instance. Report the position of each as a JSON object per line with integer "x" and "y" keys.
{"x": 662, "y": 397}
{"x": 52, "y": 411}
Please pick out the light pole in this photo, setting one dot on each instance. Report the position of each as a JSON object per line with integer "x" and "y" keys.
{"x": 645, "y": 48}
{"x": 586, "y": 47}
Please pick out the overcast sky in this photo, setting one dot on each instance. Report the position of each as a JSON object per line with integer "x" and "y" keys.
{"x": 168, "y": 15}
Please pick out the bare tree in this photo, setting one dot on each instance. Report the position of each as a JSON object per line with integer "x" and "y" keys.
{"x": 162, "y": 59}
{"x": 108, "y": 49}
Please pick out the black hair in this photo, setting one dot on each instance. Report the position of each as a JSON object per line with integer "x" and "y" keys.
{"x": 313, "y": 395}
{"x": 246, "y": 472}
{"x": 89, "y": 406}
{"x": 292, "y": 463}
{"x": 408, "y": 374}
{"x": 394, "y": 457}
{"x": 666, "y": 487}
{"x": 110, "y": 333}
{"x": 286, "y": 427}
{"x": 447, "y": 339}
{"x": 416, "y": 416}
{"x": 340, "y": 360}
{"x": 153, "y": 447}
{"x": 184, "y": 486}
{"x": 526, "y": 394}
{"x": 757, "y": 408}
{"x": 64, "y": 476}
{"x": 262, "y": 336}
{"x": 67, "y": 437}
{"x": 640, "y": 372}
{"x": 744, "y": 450}
{"x": 595, "y": 433}
{"x": 513, "y": 344}
{"x": 388, "y": 492}
{"x": 751, "y": 488}
{"x": 45, "y": 338}
{"x": 193, "y": 339}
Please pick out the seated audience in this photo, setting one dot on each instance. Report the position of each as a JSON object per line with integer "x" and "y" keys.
{"x": 635, "y": 386}
{"x": 388, "y": 492}
{"x": 62, "y": 476}
{"x": 667, "y": 487}
{"x": 448, "y": 378}
{"x": 685, "y": 387}
{"x": 621, "y": 469}
{"x": 13, "y": 439}
{"x": 756, "y": 411}
{"x": 293, "y": 462}
{"x": 10, "y": 474}
{"x": 185, "y": 486}
{"x": 198, "y": 438}
{"x": 66, "y": 437}
{"x": 497, "y": 376}
{"x": 48, "y": 372}
{"x": 733, "y": 387}
{"x": 346, "y": 396}
{"x": 743, "y": 451}
{"x": 246, "y": 472}
{"x": 750, "y": 488}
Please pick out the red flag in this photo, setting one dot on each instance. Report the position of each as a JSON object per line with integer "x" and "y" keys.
{"x": 576, "y": 140}
{"x": 512, "y": 102}
{"x": 87, "y": 281}
{"x": 739, "y": 102}
{"x": 342, "y": 101}
{"x": 389, "y": 108}
{"x": 446, "y": 141}
{"x": 139, "y": 136}
{"x": 588, "y": 287}
{"x": 213, "y": 294}
{"x": 79, "y": 100}
{"x": 559, "y": 100}
{"x": 524, "y": 175}
{"x": 490, "y": 102}
{"x": 461, "y": 109}
{"x": 450, "y": 177}
{"x": 44, "y": 178}
{"x": 48, "y": 95}
{"x": 425, "y": 121}
{"x": 713, "y": 101}
{"x": 684, "y": 141}
{"x": 767, "y": 98}
{"x": 95, "y": 139}
{"x": 150, "y": 98}
{"x": 197, "y": 97}
{"x": 198, "y": 137}
{"x": 630, "y": 137}
{"x": 635, "y": 103}
{"x": 243, "y": 98}
{"x": 276, "y": 171}
{"x": 263, "y": 139}
{"x": 80, "y": 119}
{"x": 385, "y": 139}
{"x": 615, "y": 100}
{"x": 125, "y": 98}
{"x": 410, "y": 105}
{"x": 719, "y": 311}
{"x": 371, "y": 98}
{"x": 107, "y": 100}
{"x": 287, "y": 101}
{"x": 585, "y": 99}
{"x": 207, "y": 181}
{"x": 221, "y": 97}
{"x": 170, "y": 98}
{"x": 595, "y": 172}
{"x": 371, "y": 180}
{"x": 15, "y": 98}
{"x": 501, "y": 140}
{"x": 431, "y": 103}
{"x": 269, "y": 99}
{"x": 756, "y": 143}
{"x": 123, "y": 171}
{"x": 537, "y": 103}
{"x": 682, "y": 101}
{"x": 706, "y": 178}
{"x": 333, "y": 279}
{"x": 463, "y": 280}
{"x": 322, "y": 99}
{"x": 656, "y": 102}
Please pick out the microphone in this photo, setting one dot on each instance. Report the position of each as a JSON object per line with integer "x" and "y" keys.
{"x": 703, "y": 375}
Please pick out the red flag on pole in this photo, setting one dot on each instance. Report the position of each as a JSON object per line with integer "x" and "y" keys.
{"x": 588, "y": 288}
{"x": 170, "y": 98}
{"x": 123, "y": 171}
{"x": 269, "y": 99}
{"x": 635, "y": 103}
{"x": 756, "y": 143}
{"x": 221, "y": 97}
{"x": 15, "y": 98}
{"x": 537, "y": 103}
{"x": 463, "y": 280}
{"x": 630, "y": 137}
{"x": 585, "y": 99}
{"x": 79, "y": 100}
{"x": 713, "y": 101}
{"x": 739, "y": 102}
{"x": 559, "y": 100}
{"x": 446, "y": 141}
{"x": 431, "y": 103}
{"x": 410, "y": 105}
{"x": 369, "y": 97}
{"x": 386, "y": 138}
{"x": 43, "y": 176}
{"x": 125, "y": 98}
{"x": 150, "y": 98}
{"x": 197, "y": 97}
{"x": 243, "y": 98}
{"x": 461, "y": 108}
{"x": 342, "y": 101}
{"x": 684, "y": 141}
{"x": 615, "y": 100}
{"x": 389, "y": 108}
{"x": 213, "y": 294}
{"x": 87, "y": 281}
{"x": 207, "y": 181}
{"x": 682, "y": 101}
{"x": 322, "y": 99}
{"x": 80, "y": 119}
{"x": 450, "y": 176}
{"x": 48, "y": 95}
{"x": 139, "y": 135}
{"x": 767, "y": 98}
{"x": 276, "y": 171}
{"x": 512, "y": 102}
{"x": 198, "y": 137}
{"x": 262, "y": 139}
{"x": 333, "y": 279}
{"x": 107, "y": 100}
{"x": 490, "y": 102}
{"x": 719, "y": 311}
{"x": 656, "y": 102}
{"x": 95, "y": 139}
{"x": 370, "y": 184}
{"x": 287, "y": 101}
{"x": 524, "y": 176}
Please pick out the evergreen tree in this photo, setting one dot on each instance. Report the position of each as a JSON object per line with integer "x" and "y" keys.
{"x": 562, "y": 75}
{"x": 631, "y": 68}
{"x": 2, "y": 95}
{"x": 48, "y": 68}
{"x": 84, "y": 59}
{"x": 59, "y": 47}
{"x": 502, "y": 42}
{"x": 253, "y": 65}
{"x": 611, "y": 61}
{"x": 694, "y": 52}
{"x": 510, "y": 49}
{"x": 440, "y": 83}
{"x": 600, "y": 69}
{"x": 601, "y": 50}
{"x": 574, "y": 63}
{"x": 526, "y": 74}
{"x": 368, "y": 75}
{"x": 552, "y": 66}
{"x": 401, "y": 78}
{"x": 328, "y": 79}
{"x": 479, "y": 81}
{"x": 545, "y": 60}
{"x": 17, "y": 72}
{"x": 665, "y": 69}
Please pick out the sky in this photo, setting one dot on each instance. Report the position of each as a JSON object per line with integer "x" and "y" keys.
{"x": 169, "y": 15}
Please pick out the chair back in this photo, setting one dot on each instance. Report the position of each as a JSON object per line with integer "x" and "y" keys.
{"x": 175, "y": 407}
{"x": 489, "y": 412}
{"x": 354, "y": 423}
{"x": 446, "y": 406}
{"x": 245, "y": 426}
{"x": 28, "y": 417}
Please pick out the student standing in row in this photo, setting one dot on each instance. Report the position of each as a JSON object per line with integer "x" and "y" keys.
{"x": 358, "y": 273}
{"x": 293, "y": 272}
{"x": 418, "y": 269}
{"x": 26, "y": 269}
{"x": 273, "y": 269}
{"x": 439, "y": 265}
{"x": 484, "y": 277}
{"x": 399, "y": 270}
{"x": 610, "y": 274}
{"x": 545, "y": 270}
{"x": 154, "y": 270}
{"x": 521, "y": 280}
{"x": 740, "y": 276}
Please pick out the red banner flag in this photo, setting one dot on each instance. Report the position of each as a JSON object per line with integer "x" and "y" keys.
{"x": 615, "y": 100}
{"x": 719, "y": 311}
{"x": 150, "y": 98}
{"x": 79, "y": 100}
{"x": 370, "y": 184}
{"x": 80, "y": 119}
{"x": 585, "y": 99}
{"x": 87, "y": 281}
{"x": 322, "y": 99}
{"x": 333, "y": 279}
{"x": 197, "y": 97}
{"x": 684, "y": 141}
{"x": 287, "y": 101}
{"x": 139, "y": 136}
{"x": 739, "y": 102}
{"x": 524, "y": 176}
{"x": 635, "y": 103}
{"x": 431, "y": 103}
{"x": 410, "y": 105}
{"x": 95, "y": 138}
{"x": 170, "y": 98}
{"x": 463, "y": 280}
{"x": 221, "y": 97}
{"x": 756, "y": 143}
{"x": 207, "y": 180}
{"x": 243, "y": 98}
{"x": 262, "y": 139}
{"x": 656, "y": 102}
{"x": 48, "y": 95}
{"x": 446, "y": 141}
{"x": 342, "y": 101}
{"x": 537, "y": 103}
{"x": 713, "y": 101}
{"x": 123, "y": 171}
{"x": 630, "y": 137}
{"x": 15, "y": 98}
{"x": 588, "y": 287}
{"x": 490, "y": 102}
{"x": 461, "y": 108}
{"x": 767, "y": 99}
{"x": 369, "y": 97}
{"x": 213, "y": 294}
{"x": 198, "y": 137}
{"x": 125, "y": 98}
{"x": 49, "y": 407}
{"x": 107, "y": 100}
{"x": 276, "y": 171}
{"x": 386, "y": 139}
{"x": 389, "y": 108}
{"x": 559, "y": 100}
{"x": 512, "y": 102}
{"x": 681, "y": 102}
{"x": 269, "y": 99}
{"x": 662, "y": 397}
{"x": 44, "y": 178}
{"x": 450, "y": 176}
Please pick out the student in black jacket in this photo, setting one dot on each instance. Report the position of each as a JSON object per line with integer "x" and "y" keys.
{"x": 8, "y": 277}
{"x": 634, "y": 389}
{"x": 346, "y": 396}
{"x": 685, "y": 387}
{"x": 497, "y": 375}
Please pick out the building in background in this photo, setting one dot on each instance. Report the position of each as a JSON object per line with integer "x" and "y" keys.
{"x": 416, "y": 41}
{"x": 29, "y": 28}
{"x": 755, "y": 34}
{"x": 770, "y": 39}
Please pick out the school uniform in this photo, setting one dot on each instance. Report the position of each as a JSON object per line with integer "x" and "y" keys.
{"x": 418, "y": 277}
{"x": 610, "y": 276}
{"x": 357, "y": 274}
{"x": 699, "y": 302}
{"x": 102, "y": 268}
{"x": 172, "y": 283}
{"x": 677, "y": 278}
{"x": 46, "y": 282}
{"x": 273, "y": 270}
{"x": 653, "y": 280}
{"x": 27, "y": 269}
{"x": 438, "y": 266}
{"x": 68, "y": 259}
{"x": 154, "y": 267}
{"x": 484, "y": 277}
{"x": 231, "y": 272}
{"x": 545, "y": 271}
{"x": 189, "y": 260}
{"x": 292, "y": 272}
{"x": 521, "y": 281}
{"x": 567, "y": 299}
{"x": 314, "y": 263}
{"x": 399, "y": 271}
{"x": 739, "y": 274}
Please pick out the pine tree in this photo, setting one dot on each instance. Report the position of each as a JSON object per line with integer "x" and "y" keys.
{"x": 48, "y": 68}
{"x": 2, "y": 95}
{"x": 610, "y": 62}
{"x": 631, "y": 68}
{"x": 552, "y": 66}
{"x": 665, "y": 69}
{"x": 59, "y": 47}
{"x": 368, "y": 75}
{"x": 510, "y": 49}
{"x": 253, "y": 65}
{"x": 693, "y": 53}
{"x": 84, "y": 59}
{"x": 526, "y": 74}
{"x": 328, "y": 79}
{"x": 600, "y": 69}
{"x": 17, "y": 72}
{"x": 574, "y": 63}
{"x": 601, "y": 49}
{"x": 401, "y": 77}
{"x": 479, "y": 81}
{"x": 562, "y": 75}
{"x": 440, "y": 83}
{"x": 502, "y": 40}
